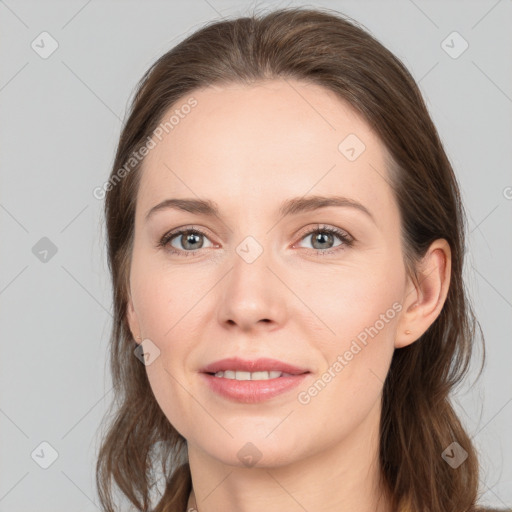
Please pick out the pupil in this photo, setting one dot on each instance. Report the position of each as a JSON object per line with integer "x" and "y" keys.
{"x": 322, "y": 238}
{"x": 191, "y": 238}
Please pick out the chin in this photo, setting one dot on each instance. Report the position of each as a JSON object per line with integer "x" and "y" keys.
{"x": 253, "y": 452}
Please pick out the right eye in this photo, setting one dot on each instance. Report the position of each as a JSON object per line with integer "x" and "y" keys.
{"x": 190, "y": 240}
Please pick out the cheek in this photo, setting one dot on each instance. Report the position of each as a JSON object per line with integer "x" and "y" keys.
{"x": 355, "y": 303}
{"x": 160, "y": 296}
{"x": 164, "y": 302}
{"x": 359, "y": 308}
{"x": 170, "y": 395}
{"x": 356, "y": 358}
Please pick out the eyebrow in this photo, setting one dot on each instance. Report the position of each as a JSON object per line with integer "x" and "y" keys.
{"x": 292, "y": 206}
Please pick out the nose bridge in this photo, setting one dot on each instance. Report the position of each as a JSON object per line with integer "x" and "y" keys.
{"x": 250, "y": 249}
{"x": 250, "y": 274}
{"x": 252, "y": 234}
{"x": 249, "y": 291}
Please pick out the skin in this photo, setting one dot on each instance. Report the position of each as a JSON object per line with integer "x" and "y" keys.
{"x": 249, "y": 148}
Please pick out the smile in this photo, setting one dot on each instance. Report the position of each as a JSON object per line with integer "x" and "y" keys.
{"x": 243, "y": 375}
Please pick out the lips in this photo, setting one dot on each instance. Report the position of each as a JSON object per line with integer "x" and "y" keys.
{"x": 258, "y": 365}
{"x": 218, "y": 376}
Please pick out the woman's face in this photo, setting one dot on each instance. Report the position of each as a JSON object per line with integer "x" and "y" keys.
{"x": 266, "y": 280}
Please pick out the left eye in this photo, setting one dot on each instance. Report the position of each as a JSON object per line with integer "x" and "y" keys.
{"x": 325, "y": 235}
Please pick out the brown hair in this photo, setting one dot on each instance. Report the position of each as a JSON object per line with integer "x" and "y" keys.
{"x": 418, "y": 421}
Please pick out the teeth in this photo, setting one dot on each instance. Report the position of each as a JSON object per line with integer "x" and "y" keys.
{"x": 241, "y": 375}
{"x": 265, "y": 375}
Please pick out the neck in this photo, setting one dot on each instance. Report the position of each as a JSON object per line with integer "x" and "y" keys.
{"x": 344, "y": 476}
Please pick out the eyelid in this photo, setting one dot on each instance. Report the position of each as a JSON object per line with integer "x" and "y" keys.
{"x": 324, "y": 227}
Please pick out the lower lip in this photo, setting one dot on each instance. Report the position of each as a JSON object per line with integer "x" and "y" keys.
{"x": 252, "y": 391}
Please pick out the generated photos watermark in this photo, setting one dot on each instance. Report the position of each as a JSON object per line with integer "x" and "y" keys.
{"x": 357, "y": 345}
{"x": 150, "y": 143}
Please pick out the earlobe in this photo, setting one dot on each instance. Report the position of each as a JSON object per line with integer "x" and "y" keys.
{"x": 425, "y": 302}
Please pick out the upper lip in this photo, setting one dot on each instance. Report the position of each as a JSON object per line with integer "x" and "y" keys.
{"x": 258, "y": 365}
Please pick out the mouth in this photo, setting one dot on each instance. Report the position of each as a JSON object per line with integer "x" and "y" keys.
{"x": 252, "y": 381}
{"x": 242, "y": 375}
{"x": 242, "y": 369}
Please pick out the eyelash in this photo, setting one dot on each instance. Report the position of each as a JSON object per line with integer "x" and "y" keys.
{"x": 346, "y": 239}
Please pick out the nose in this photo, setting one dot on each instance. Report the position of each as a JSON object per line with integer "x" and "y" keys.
{"x": 251, "y": 296}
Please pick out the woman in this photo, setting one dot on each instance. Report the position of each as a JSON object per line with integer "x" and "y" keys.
{"x": 286, "y": 242}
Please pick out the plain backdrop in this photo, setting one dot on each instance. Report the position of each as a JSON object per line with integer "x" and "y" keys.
{"x": 61, "y": 116}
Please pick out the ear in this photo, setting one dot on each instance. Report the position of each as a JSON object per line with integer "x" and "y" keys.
{"x": 132, "y": 319}
{"x": 424, "y": 299}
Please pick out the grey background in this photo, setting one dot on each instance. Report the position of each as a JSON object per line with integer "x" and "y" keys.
{"x": 61, "y": 117}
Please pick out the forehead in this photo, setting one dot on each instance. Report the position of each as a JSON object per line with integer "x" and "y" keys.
{"x": 262, "y": 143}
